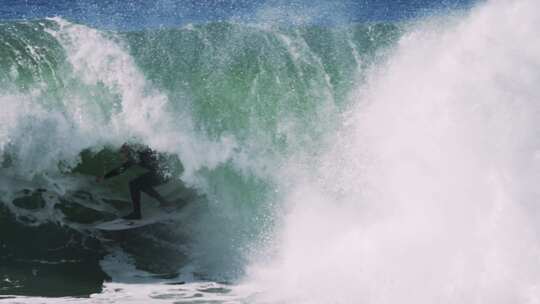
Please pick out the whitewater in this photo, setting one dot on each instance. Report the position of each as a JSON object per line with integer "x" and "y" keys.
{"x": 388, "y": 162}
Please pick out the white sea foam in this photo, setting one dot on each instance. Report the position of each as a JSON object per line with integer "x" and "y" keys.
{"x": 141, "y": 111}
{"x": 429, "y": 194}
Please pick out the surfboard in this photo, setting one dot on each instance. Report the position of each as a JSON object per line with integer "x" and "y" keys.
{"x": 148, "y": 218}
{"x": 122, "y": 224}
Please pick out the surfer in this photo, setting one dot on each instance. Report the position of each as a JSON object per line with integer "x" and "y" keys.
{"x": 148, "y": 159}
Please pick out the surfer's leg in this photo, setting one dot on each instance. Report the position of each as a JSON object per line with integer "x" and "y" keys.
{"x": 154, "y": 194}
{"x": 154, "y": 179}
{"x": 135, "y": 187}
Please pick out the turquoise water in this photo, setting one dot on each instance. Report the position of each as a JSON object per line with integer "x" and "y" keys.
{"x": 225, "y": 102}
{"x": 372, "y": 161}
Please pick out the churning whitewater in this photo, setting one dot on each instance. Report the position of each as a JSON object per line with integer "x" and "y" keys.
{"x": 428, "y": 192}
{"x": 389, "y": 162}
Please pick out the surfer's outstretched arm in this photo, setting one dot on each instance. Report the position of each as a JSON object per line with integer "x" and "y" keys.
{"x": 119, "y": 170}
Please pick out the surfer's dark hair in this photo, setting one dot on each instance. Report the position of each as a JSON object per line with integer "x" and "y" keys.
{"x": 127, "y": 148}
{"x": 130, "y": 151}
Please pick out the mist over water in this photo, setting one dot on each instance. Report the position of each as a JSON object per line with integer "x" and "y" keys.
{"x": 226, "y": 102}
{"x": 428, "y": 193}
{"x": 361, "y": 163}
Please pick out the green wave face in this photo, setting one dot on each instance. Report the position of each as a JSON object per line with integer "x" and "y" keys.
{"x": 248, "y": 81}
{"x": 227, "y": 104}
{"x": 243, "y": 79}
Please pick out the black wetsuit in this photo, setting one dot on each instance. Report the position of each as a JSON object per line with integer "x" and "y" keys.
{"x": 147, "y": 159}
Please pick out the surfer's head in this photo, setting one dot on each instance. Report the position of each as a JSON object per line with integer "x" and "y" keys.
{"x": 126, "y": 150}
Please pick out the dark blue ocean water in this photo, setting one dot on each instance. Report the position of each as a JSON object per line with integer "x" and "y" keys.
{"x": 137, "y": 14}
